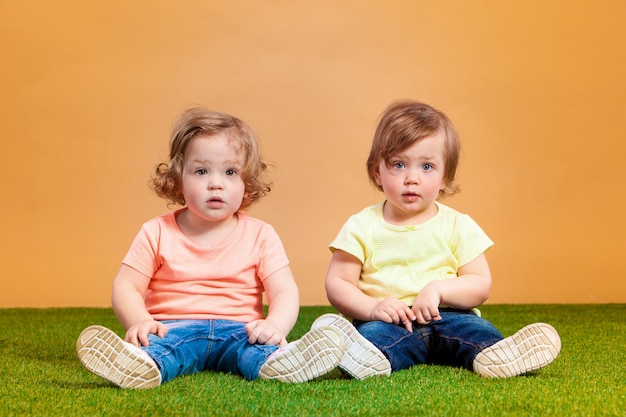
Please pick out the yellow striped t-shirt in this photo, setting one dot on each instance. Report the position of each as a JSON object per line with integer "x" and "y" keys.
{"x": 398, "y": 261}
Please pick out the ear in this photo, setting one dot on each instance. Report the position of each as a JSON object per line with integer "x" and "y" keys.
{"x": 377, "y": 177}
{"x": 443, "y": 186}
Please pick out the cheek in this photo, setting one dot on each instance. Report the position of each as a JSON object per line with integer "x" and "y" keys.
{"x": 240, "y": 188}
{"x": 384, "y": 178}
{"x": 192, "y": 189}
{"x": 436, "y": 187}
{"x": 189, "y": 194}
{"x": 384, "y": 183}
{"x": 443, "y": 184}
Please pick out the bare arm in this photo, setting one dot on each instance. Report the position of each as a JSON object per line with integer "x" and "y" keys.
{"x": 283, "y": 307}
{"x": 129, "y": 289}
{"x": 342, "y": 291}
{"x": 470, "y": 289}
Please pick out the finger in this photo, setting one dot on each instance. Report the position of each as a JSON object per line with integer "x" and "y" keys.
{"x": 273, "y": 340}
{"x": 421, "y": 319}
{"x": 410, "y": 313}
{"x": 259, "y": 334}
{"x": 267, "y": 337}
{"x": 410, "y": 318}
{"x": 393, "y": 315}
{"x": 253, "y": 337}
{"x": 250, "y": 326}
{"x": 408, "y": 325}
{"x": 263, "y": 337}
{"x": 405, "y": 320}
{"x": 383, "y": 316}
{"x": 143, "y": 338}
{"x": 132, "y": 338}
{"x": 433, "y": 313}
{"x": 162, "y": 330}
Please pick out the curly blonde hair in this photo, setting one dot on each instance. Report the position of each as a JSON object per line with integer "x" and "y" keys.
{"x": 406, "y": 122}
{"x": 166, "y": 180}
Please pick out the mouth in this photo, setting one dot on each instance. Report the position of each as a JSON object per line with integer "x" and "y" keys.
{"x": 410, "y": 196}
{"x": 215, "y": 202}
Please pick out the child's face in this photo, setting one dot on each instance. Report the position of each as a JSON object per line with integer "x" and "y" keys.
{"x": 212, "y": 185}
{"x": 413, "y": 180}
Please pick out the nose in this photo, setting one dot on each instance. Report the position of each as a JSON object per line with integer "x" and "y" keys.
{"x": 412, "y": 176}
{"x": 215, "y": 182}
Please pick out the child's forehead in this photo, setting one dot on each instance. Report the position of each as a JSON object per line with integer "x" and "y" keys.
{"x": 228, "y": 140}
{"x": 215, "y": 145}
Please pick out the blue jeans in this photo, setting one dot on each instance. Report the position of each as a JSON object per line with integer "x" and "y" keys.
{"x": 455, "y": 340}
{"x": 192, "y": 346}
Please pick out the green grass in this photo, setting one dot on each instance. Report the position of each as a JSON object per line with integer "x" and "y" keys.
{"x": 40, "y": 375}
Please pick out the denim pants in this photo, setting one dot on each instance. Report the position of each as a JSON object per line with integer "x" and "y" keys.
{"x": 192, "y": 346}
{"x": 455, "y": 340}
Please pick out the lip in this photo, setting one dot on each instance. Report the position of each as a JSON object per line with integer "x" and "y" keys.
{"x": 215, "y": 202}
{"x": 411, "y": 196}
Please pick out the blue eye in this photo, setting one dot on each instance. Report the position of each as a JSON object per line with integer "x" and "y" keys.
{"x": 398, "y": 165}
{"x": 427, "y": 167}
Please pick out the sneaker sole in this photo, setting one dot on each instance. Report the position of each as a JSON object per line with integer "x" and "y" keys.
{"x": 531, "y": 348}
{"x": 103, "y": 352}
{"x": 361, "y": 358}
{"x": 314, "y": 354}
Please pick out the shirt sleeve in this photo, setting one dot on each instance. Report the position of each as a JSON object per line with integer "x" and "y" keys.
{"x": 273, "y": 256}
{"x": 143, "y": 252}
{"x": 350, "y": 239}
{"x": 469, "y": 240}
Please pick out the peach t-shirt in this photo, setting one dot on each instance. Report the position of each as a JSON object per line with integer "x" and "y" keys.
{"x": 187, "y": 281}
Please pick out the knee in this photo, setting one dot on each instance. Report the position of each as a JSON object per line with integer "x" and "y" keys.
{"x": 380, "y": 333}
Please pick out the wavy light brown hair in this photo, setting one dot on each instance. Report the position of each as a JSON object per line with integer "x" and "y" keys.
{"x": 406, "y": 122}
{"x": 166, "y": 180}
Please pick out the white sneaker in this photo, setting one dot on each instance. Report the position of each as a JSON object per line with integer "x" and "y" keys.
{"x": 531, "y": 348}
{"x": 361, "y": 358}
{"x": 105, "y": 354}
{"x": 314, "y": 354}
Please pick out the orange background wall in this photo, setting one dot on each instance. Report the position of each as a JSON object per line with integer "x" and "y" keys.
{"x": 89, "y": 90}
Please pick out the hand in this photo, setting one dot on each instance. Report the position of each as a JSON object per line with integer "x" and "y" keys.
{"x": 392, "y": 310}
{"x": 264, "y": 332}
{"x": 426, "y": 305}
{"x": 137, "y": 334}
